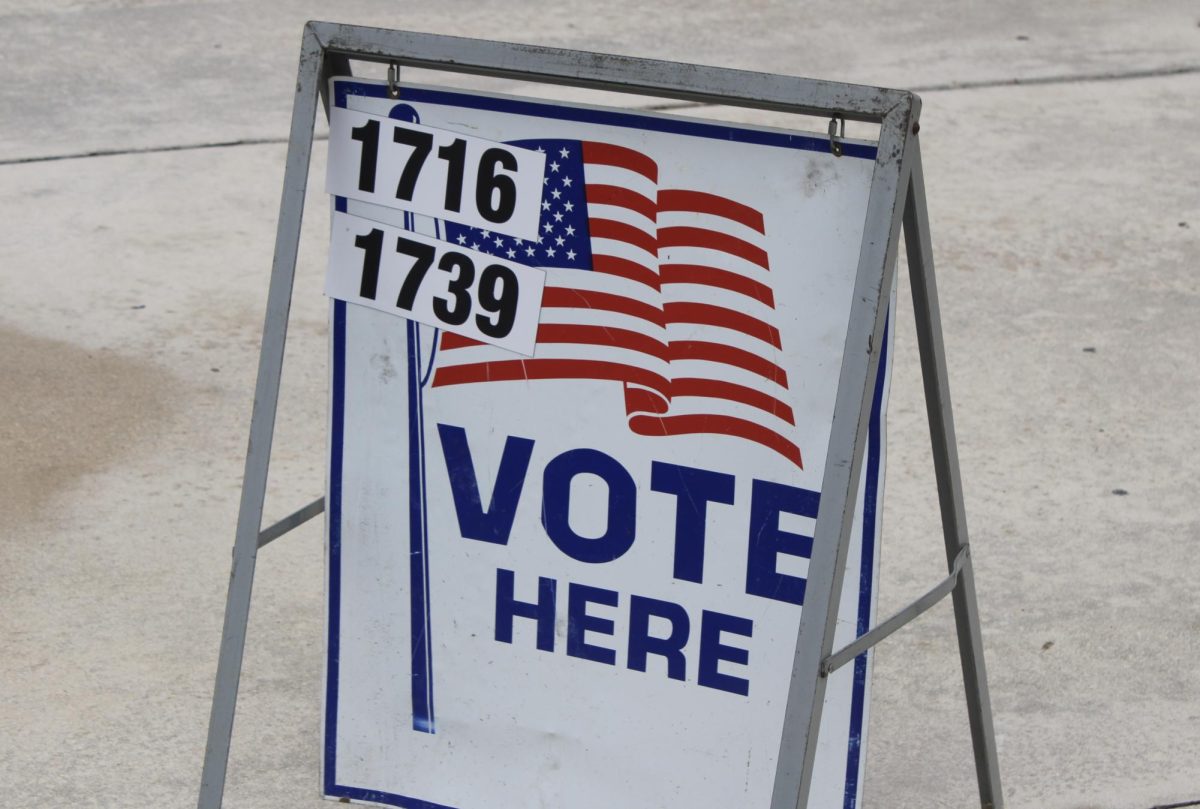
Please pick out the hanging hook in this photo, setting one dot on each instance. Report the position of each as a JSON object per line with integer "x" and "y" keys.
{"x": 836, "y": 135}
{"x": 393, "y": 80}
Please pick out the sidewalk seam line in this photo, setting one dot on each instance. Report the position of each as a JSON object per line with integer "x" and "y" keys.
{"x": 182, "y": 147}
{"x": 983, "y": 84}
{"x": 1087, "y": 78}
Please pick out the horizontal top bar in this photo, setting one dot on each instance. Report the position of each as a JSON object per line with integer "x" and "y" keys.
{"x": 713, "y": 85}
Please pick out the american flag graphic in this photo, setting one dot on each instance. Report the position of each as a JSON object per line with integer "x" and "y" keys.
{"x": 663, "y": 290}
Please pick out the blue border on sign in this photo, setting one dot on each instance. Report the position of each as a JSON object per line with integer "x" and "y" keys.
{"x": 344, "y": 89}
{"x": 603, "y": 117}
{"x": 334, "y": 508}
{"x": 866, "y": 575}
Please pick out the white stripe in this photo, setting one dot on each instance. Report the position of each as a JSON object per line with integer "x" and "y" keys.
{"x": 718, "y": 296}
{"x": 718, "y": 259}
{"x": 709, "y": 406}
{"x": 604, "y": 319}
{"x": 724, "y": 337}
{"x": 627, "y": 215}
{"x": 604, "y": 174}
{"x": 721, "y": 336}
{"x": 721, "y": 372}
{"x": 557, "y": 316}
{"x": 564, "y": 278}
{"x": 706, "y": 221}
{"x": 472, "y": 355}
{"x": 620, "y": 249}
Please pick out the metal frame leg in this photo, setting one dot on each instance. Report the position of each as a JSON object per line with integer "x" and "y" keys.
{"x": 847, "y": 444}
{"x": 949, "y": 483}
{"x": 262, "y": 428}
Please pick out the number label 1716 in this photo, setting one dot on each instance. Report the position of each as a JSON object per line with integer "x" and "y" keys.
{"x": 435, "y": 172}
{"x": 434, "y": 282}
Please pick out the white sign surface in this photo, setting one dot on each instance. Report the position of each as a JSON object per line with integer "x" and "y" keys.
{"x": 574, "y": 579}
{"x": 450, "y": 175}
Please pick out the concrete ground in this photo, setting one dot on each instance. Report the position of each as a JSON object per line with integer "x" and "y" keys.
{"x": 141, "y": 156}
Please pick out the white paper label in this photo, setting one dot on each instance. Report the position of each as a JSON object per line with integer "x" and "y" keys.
{"x": 435, "y": 172}
{"x": 434, "y": 282}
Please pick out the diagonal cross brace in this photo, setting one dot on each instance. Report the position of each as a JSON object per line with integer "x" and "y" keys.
{"x": 852, "y": 650}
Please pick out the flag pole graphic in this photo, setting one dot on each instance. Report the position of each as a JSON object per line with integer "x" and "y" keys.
{"x": 422, "y": 650}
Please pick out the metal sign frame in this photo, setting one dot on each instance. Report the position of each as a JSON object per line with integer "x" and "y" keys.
{"x": 896, "y": 201}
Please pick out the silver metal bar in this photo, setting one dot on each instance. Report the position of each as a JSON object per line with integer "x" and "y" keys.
{"x": 334, "y": 64}
{"x": 689, "y": 82}
{"x": 847, "y": 442}
{"x": 293, "y": 520}
{"x": 852, "y": 650}
{"x": 949, "y": 482}
{"x": 262, "y": 426}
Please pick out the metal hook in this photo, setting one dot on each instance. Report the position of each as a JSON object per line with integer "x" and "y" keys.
{"x": 393, "y": 80}
{"x": 836, "y": 135}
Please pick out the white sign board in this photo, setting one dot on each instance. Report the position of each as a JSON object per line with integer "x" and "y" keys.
{"x": 568, "y": 569}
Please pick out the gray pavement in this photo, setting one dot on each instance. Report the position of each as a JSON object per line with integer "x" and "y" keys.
{"x": 1062, "y": 163}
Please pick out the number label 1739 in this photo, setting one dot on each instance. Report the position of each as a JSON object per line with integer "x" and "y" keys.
{"x": 434, "y": 282}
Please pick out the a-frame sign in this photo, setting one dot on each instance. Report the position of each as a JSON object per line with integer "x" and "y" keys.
{"x": 689, "y": 357}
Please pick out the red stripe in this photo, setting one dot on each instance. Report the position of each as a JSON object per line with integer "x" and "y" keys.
{"x": 582, "y": 335}
{"x": 728, "y": 355}
{"x": 700, "y": 202}
{"x": 719, "y": 425}
{"x": 450, "y": 341}
{"x": 711, "y": 276}
{"x": 601, "y": 336}
{"x": 608, "y": 229}
{"x": 623, "y": 267}
{"x": 709, "y": 315}
{"x": 609, "y": 155}
{"x": 567, "y": 298}
{"x": 640, "y": 400}
{"x": 703, "y": 237}
{"x": 714, "y": 389}
{"x": 513, "y": 370}
{"x": 622, "y": 198}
